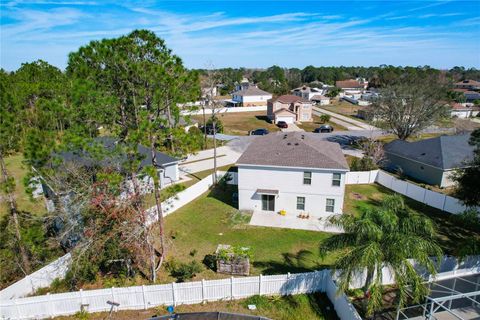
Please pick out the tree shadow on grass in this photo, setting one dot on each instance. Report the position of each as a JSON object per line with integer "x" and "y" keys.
{"x": 302, "y": 261}
{"x": 225, "y": 193}
{"x": 263, "y": 118}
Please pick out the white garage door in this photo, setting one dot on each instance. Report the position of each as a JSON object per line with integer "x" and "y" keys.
{"x": 286, "y": 119}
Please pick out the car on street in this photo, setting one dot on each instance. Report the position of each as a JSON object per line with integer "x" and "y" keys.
{"x": 259, "y": 132}
{"x": 282, "y": 124}
{"x": 324, "y": 129}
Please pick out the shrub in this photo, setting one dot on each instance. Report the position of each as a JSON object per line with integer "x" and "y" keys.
{"x": 183, "y": 271}
{"x": 363, "y": 164}
{"x": 218, "y": 123}
{"x": 324, "y": 118}
{"x": 210, "y": 261}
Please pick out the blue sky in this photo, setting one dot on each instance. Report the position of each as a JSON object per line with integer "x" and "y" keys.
{"x": 252, "y": 33}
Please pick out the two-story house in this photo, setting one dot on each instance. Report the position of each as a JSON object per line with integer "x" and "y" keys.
{"x": 296, "y": 172}
{"x": 307, "y": 92}
{"x": 289, "y": 108}
{"x": 247, "y": 94}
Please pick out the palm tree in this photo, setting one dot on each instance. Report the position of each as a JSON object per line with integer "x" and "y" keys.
{"x": 384, "y": 237}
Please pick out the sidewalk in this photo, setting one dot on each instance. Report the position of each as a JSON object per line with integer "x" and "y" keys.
{"x": 347, "y": 121}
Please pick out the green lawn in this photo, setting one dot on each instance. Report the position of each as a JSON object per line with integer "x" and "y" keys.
{"x": 240, "y": 123}
{"x": 310, "y": 126}
{"x": 298, "y": 307}
{"x": 450, "y": 233}
{"x": 196, "y": 229}
{"x": 18, "y": 171}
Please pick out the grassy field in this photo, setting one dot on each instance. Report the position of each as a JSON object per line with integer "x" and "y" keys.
{"x": 310, "y": 126}
{"x": 450, "y": 234}
{"x": 343, "y": 108}
{"x": 18, "y": 171}
{"x": 240, "y": 123}
{"x": 299, "y": 307}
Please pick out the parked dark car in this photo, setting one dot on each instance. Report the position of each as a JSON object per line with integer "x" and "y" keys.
{"x": 209, "y": 129}
{"x": 282, "y": 124}
{"x": 324, "y": 129}
{"x": 259, "y": 132}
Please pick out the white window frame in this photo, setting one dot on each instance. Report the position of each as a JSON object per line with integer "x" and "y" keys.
{"x": 334, "y": 180}
{"x": 328, "y": 206}
{"x": 301, "y": 203}
{"x": 307, "y": 178}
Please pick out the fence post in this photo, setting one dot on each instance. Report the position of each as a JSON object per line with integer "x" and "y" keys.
{"x": 173, "y": 294}
{"x": 204, "y": 290}
{"x": 231, "y": 288}
{"x": 260, "y": 284}
{"x": 144, "y": 298}
{"x": 113, "y": 294}
{"x": 444, "y": 202}
{"x": 50, "y": 307}
{"x": 81, "y": 297}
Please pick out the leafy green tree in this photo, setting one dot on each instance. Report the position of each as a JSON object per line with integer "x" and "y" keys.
{"x": 324, "y": 118}
{"x": 9, "y": 143}
{"x": 384, "y": 237}
{"x": 333, "y": 92}
{"x": 144, "y": 83}
{"x": 467, "y": 188}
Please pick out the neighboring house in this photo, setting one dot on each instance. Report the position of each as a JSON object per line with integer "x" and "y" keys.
{"x": 289, "y": 108}
{"x": 464, "y": 110}
{"x": 320, "y": 100}
{"x": 431, "y": 160}
{"x": 296, "y": 172}
{"x": 308, "y": 93}
{"x": 471, "y": 96}
{"x": 352, "y": 88}
{"x": 250, "y": 96}
{"x": 468, "y": 85}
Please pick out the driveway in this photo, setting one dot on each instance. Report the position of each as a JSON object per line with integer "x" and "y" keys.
{"x": 349, "y": 123}
{"x": 292, "y": 127}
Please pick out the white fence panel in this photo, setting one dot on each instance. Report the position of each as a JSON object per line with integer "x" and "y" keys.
{"x": 434, "y": 199}
{"x": 39, "y": 279}
{"x": 218, "y": 290}
{"x": 157, "y": 295}
{"x": 345, "y": 310}
{"x": 415, "y": 192}
{"x": 361, "y": 177}
{"x": 245, "y": 287}
{"x": 384, "y": 179}
{"x": 453, "y": 205}
{"x": 226, "y": 110}
{"x": 399, "y": 186}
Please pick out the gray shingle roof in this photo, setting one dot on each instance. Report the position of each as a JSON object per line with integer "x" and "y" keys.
{"x": 251, "y": 91}
{"x": 444, "y": 152}
{"x": 294, "y": 149}
{"x": 84, "y": 158}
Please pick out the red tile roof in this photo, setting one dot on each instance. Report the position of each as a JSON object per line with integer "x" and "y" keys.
{"x": 348, "y": 84}
{"x": 289, "y": 98}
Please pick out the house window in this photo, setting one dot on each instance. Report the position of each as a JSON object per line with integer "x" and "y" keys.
{"x": 330, "y": 205}
{"x": 337, "y": 179}
{"x": 306, "y": 106}
{"x": 305, "y": 116}
{"x": 300, "y": 203}
{"x": 307, "y": 178}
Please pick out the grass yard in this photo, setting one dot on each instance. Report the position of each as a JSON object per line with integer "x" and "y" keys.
{"x": 298, "y": 307}
{"x": 310, "y": 126}
{"x": 240, "y": 123}
{"x": 18, "y": 171}
{"x": 195, "y": 230}
{"x": 450, "y": 233}
{"x": 344, "y": 108}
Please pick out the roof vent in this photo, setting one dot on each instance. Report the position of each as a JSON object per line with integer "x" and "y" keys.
{"x": 423, "y": 154}
{"x": 296, "y": 143}
{"x": 289, "y": 144}
{"x": 285, "y": 136}
{"x": 303, "y": 136}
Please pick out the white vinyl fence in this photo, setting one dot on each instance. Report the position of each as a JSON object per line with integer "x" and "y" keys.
{"x": 226, "y": 110}
{"x": 38, "y": 279}
{"x": 143, "y": 297}
{"x": 58, "y": 268}
{"x": 408, "y": 189}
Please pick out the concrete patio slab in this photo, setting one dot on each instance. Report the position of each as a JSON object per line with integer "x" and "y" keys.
{"x": 273, "y": 219}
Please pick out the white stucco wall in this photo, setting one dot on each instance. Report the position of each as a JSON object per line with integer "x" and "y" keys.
{"x": 289, "y": 183}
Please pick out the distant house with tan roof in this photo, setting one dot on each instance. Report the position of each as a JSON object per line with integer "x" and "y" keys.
{"x": 464, "y": 110}
{"x": 472, "y": 85}
{"x": 289, "y": 108}
{"x": 296, "y": 172}
{"x": 307, "y": 92}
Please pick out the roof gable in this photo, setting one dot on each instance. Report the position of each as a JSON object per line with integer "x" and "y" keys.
{"x": 295, "y": 149}
{"x": 444, "y": 152}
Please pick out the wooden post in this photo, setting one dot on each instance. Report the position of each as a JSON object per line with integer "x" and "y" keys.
{"x": 204, "y": 291}
{"x": 144, "y": 298}
{"x": 173, "y": 294}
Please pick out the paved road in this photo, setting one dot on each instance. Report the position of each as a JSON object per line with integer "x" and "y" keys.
{"x": 355, "y": 124}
